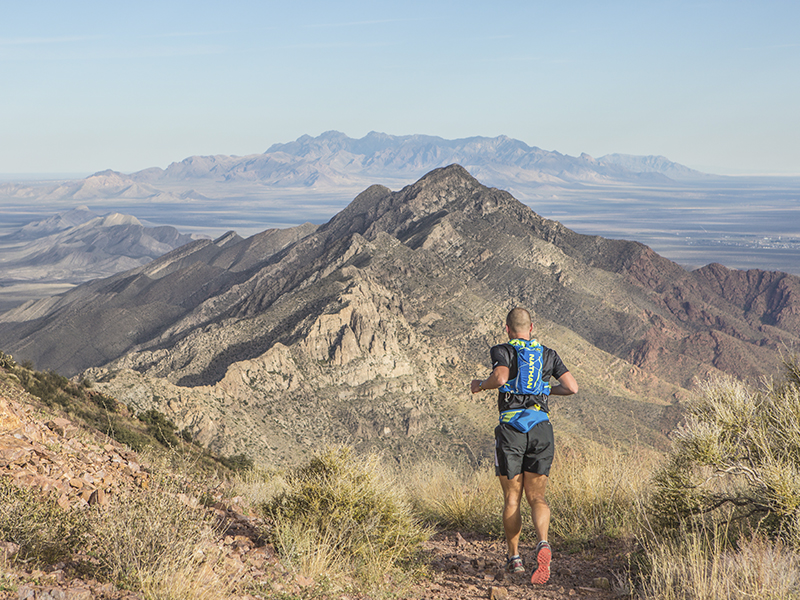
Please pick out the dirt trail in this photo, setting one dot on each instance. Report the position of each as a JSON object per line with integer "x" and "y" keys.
{"x": 469, "y": 567}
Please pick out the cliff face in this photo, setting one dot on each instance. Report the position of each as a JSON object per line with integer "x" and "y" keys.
{"x": 368, "y": 329}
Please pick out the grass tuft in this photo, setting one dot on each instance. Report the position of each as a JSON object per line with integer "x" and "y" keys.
{"x": 458, "y": 498}
{"x": 153, "y": 542}
{"x": 341, "y": 514}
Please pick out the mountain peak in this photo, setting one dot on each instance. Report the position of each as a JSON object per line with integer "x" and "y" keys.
{"x": 114, "y": 219}
{"x": 443, "y": 191}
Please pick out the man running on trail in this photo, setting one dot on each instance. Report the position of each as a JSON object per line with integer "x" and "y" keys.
{"x": 521, "y": 370}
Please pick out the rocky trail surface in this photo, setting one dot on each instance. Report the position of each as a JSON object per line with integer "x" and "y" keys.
{"x": 472, "y": 566}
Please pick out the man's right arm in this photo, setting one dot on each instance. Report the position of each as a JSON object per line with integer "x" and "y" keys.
{"x": 497, "y": 379}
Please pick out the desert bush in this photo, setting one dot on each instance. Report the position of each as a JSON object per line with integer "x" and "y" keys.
{"x": 346, "y": 508}
{"x": 45, "y": 532}
{"x": 160, "y": 427}
{"x": 7, "y": 361}
{"x": 154, "y": 542}
{"x": 456, "y": 497}
{"x": 737, "y": 458}
{"x": 237, "y": 462}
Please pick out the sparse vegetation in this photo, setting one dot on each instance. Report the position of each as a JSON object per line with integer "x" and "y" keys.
{"x": 737, "y": 460}
{"x": 7, "y": 361}
{"x": 456, "y": 497}
{"x": 597, "y": 491}
{"x": 724, "y": 521}
{"x": 45, "y": 532}
{"x": 705, "y": 565}
{"x": 719, "y": 518}
{"x": 157, "y": 543}
{"x": 160, "y": 427}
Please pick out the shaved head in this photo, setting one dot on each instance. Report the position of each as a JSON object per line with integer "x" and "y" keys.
{"x": 518, "y": 321}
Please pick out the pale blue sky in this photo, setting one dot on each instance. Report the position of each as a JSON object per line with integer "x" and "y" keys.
{"x": 86, "y": 86}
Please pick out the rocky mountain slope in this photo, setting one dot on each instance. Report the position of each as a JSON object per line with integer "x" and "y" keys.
{"x": 368, "y": 328}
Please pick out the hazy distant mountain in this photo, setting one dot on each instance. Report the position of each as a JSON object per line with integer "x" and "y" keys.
{"x": 79, "y": 245}
{"x": 367, "y": 329}
{"x": 333, "y": 159}
{"x": 103, "y": 185}
{"x": 54, "y": 224}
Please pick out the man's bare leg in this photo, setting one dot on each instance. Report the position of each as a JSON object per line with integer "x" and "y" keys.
{"x": 535, "y": 486}
{"x": 512, "y": 517}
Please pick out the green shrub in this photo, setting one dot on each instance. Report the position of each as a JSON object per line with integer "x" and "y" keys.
{"x": 135, "y": 440}
{"x": 736, "y": 458}
{"x": 237, "y": 462}
{"x": 44, "y": 531}
{"x": 160, "y": 427}
{"x": 104, "y": 402}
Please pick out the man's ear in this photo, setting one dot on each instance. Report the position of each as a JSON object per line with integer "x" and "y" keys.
{"x": 530, "y": 331}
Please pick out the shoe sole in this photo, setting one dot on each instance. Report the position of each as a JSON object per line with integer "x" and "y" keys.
{"x": 542, "y": 573}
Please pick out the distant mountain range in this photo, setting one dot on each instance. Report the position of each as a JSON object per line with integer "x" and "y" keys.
{"x": 367, "y": 329}
{"x": 334, "y": 159}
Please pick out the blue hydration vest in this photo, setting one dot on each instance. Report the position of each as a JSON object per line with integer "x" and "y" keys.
{"x": 528, "y": 382}
{"x": 529, "y": 370}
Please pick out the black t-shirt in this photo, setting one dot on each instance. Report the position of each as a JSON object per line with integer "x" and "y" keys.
{"x": 504, "y": 355}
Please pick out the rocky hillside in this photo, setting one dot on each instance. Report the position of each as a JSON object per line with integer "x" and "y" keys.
{"x": 368, "y": 329}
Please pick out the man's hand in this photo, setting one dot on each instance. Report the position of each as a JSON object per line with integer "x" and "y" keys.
{"x": 475, "y": 386}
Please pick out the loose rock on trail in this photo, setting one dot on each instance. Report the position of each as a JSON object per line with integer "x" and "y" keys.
{"x": 472, "y": 566}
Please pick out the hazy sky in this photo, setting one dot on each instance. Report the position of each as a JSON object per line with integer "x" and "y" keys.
{"x": 86, "y": 86}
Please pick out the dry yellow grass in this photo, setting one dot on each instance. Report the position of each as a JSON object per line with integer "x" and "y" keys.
{"x": 455, "y": 497}
{"x": 152, "y": 541}
{"x": 593, "y": 491}
{"x": 598, "y": 490}
{"x": 702, "y": 566}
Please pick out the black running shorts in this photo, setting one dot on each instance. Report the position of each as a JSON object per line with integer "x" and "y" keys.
{"x": 531, "y": 452}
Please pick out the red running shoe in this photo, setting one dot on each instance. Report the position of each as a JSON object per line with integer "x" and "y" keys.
{"x": 541, "y": 572}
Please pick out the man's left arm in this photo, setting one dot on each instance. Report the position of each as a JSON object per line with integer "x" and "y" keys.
{"x": 566, "y": 386}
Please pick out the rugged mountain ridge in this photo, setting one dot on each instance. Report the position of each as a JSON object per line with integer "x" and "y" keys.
{"x": 368, "y": 328}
